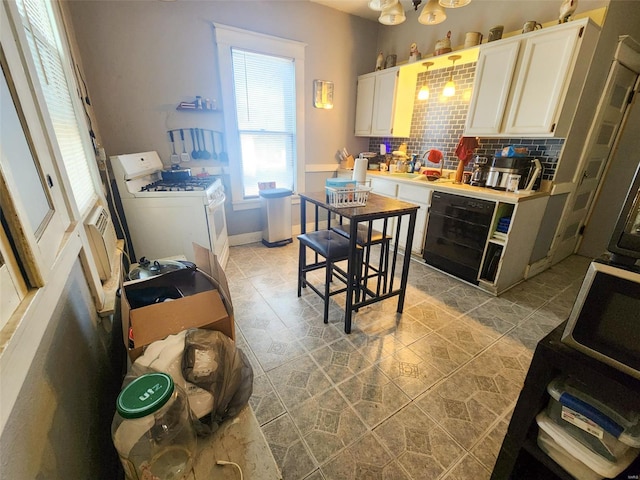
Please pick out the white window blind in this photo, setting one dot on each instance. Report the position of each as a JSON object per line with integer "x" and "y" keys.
{"x": 43, "y": 36}
{"x": 264, "y": 88}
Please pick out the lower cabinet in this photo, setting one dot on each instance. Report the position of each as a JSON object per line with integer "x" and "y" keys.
{"x": 511, "y": 239}
{"x": 506, "y": 246}
{"x": 417, "y": 194}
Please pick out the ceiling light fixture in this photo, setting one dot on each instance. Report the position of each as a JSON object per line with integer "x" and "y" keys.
{"x": 432, "y": 13}
{"x": 454, "y": 3}
{"x": 450, "y": 87}
{"x": 423, "y": 94}
{"x": 379, "y": 5}
{"x": 393, "y": 15}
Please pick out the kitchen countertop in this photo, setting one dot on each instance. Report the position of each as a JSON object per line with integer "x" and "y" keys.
{"x": 448, "y": 186}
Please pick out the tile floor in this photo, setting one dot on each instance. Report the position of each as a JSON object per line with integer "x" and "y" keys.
{"x": 422, "y": 395}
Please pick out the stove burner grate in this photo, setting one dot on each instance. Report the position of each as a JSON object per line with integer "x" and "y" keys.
{"x": 190, "y": 185}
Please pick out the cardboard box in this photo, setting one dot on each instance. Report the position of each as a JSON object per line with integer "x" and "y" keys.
{"x": 200, "y": 299}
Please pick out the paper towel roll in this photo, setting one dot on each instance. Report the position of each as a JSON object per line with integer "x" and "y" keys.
{"x": 360, "y": 170}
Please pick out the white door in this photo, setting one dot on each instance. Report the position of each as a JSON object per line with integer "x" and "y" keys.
{"x": 596, "y": 154}
{"x": 541, "y": 82}
{"x": 364, "y": 104}
{"x": 494, "y": 74}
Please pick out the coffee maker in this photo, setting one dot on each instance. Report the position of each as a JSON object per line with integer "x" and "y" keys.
{"x": 480, "y": 172}
{"x": 502, "y": 168}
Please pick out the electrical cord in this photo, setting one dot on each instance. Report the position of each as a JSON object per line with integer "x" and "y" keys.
{"x": 223, "y": 462}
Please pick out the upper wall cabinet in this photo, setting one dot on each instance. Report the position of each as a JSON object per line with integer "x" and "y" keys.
{"x": 384, "y": 103}
{"x": 529, "y": 85}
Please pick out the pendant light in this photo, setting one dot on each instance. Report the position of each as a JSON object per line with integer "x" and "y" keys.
{"x": 454, "y": 3}
{"x": 379, "y": 5}
{"x": 432, "y": 13}
{"x": 423, "y": 94}
{"x": 450, "y": 87}
{"x": 392, "y": 15}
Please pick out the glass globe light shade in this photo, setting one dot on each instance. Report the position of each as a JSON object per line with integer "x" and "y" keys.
{"x": 449, "y": 89}
{"x": 432, "y": 13}
{"x": 393, "y": 15}
{"x": 379, "y": 5}
{"x": 454, "y": 3}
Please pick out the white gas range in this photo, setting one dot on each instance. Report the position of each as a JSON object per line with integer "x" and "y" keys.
{"x": 165, "y": 218}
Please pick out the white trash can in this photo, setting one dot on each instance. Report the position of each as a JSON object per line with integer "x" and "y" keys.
{"x": 276, "y": 216}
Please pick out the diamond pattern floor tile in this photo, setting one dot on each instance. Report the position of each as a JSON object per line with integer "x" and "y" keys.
{"x": 373, "y": 395}
{"x": 422, "y": 448}
{"x": 426, "y": 394}
{"x": 327, "y": 423}
{"x": 366, "y": 459}
{"x": 298, "y": 380}
{"x": 340, "y": 360}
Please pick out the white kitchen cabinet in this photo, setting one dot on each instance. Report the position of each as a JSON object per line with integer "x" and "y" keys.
{"x": 494, "y": 73}
{"x": 384, "y": 103}
{"x": 529, "y": 85}
{"x": 364, "y": 105}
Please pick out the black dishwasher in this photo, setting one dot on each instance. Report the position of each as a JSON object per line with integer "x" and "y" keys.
{"x": 457, "y": 233}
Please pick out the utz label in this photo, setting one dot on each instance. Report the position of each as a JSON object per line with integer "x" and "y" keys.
{"x": 582, "y": 422}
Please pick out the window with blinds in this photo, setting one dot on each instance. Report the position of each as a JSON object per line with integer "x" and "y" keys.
{"x": 264, "y": 88}
{"x": 44, "y": 37}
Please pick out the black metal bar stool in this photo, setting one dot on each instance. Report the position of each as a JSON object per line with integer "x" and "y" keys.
{"x": 367, "y": 237}
{"x": 334, "y": 248}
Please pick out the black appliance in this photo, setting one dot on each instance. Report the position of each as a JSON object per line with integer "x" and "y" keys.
{"x": 604, "y": 321}
{"x": 457, "y": 233}
{"x": 503, "y": 167}
{"x": 625, "y": 241}
{"x": 480, "y": 172}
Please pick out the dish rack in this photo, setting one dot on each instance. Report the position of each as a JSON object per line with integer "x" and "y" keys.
{"x": 349, "y": 196}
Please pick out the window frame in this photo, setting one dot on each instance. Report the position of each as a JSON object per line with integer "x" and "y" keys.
{"x": 227, "y": 37}
{"x": 64, "y": 50}
{"x": 44, "y": 261}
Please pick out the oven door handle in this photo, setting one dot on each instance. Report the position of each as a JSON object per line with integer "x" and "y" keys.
{"x": 216, "y": 203}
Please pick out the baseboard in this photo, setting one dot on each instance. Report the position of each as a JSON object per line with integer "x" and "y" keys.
{"x": 245, "y": 238}
{"x": 256, "y": 237}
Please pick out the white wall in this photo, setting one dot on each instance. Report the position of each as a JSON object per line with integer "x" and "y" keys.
{"x": 142, "y": 58}
{"x": 60, "y": 425}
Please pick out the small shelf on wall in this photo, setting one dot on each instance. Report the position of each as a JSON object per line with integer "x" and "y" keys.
{"x": 198, "y": 110}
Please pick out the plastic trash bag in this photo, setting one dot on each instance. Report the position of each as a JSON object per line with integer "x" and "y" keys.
{"x": 212, "y": 361}
{"x": 215, "y": 373}
{"x": 166, "y": 356}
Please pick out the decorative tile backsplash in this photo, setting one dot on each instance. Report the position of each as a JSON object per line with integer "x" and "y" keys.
{"x": 438, "y": 123}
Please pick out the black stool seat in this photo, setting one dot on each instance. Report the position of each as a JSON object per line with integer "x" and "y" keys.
{"x": 327, "y": 243}
{"x": 363, "y": 234}
{"x": 334, "y": 248}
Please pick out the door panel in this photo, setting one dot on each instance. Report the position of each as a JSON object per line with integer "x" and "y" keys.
{"x": 598, "y": 150}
